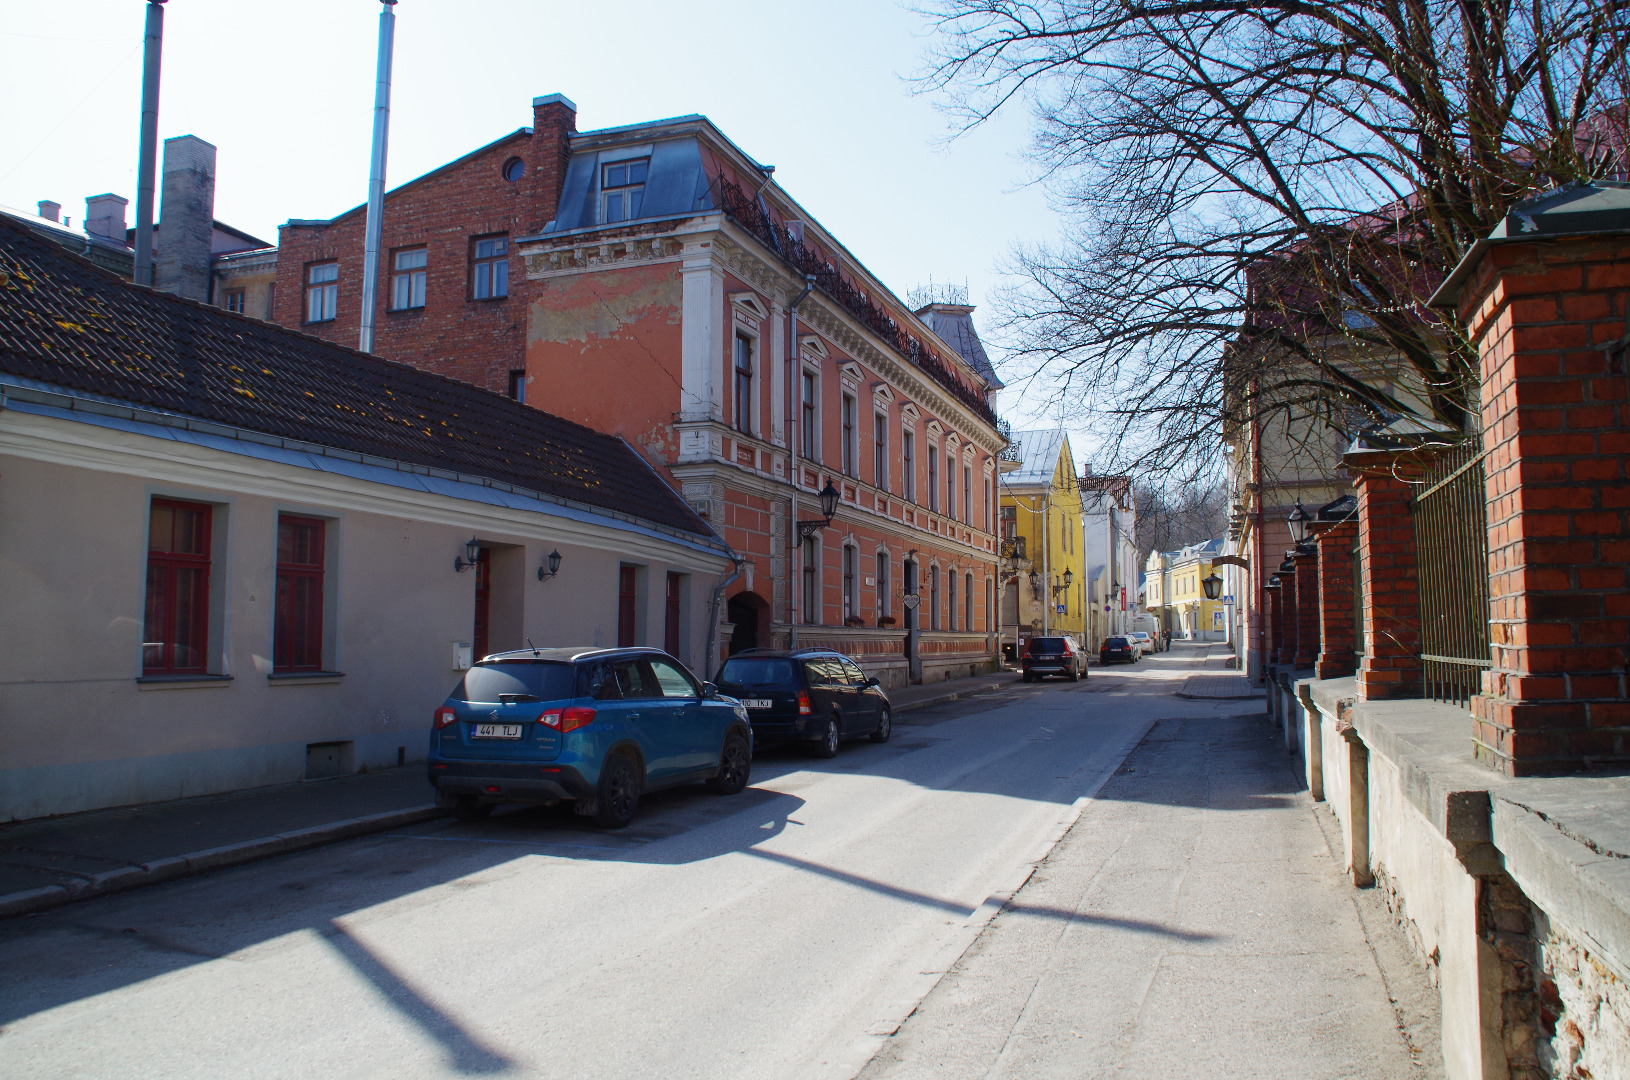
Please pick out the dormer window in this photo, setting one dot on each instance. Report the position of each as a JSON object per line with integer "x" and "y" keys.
{"x": 622, "y": 189}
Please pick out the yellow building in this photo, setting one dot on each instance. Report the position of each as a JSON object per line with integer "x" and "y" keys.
{"x": 1175, "y": 594}
{"x": 1043, "y": 567}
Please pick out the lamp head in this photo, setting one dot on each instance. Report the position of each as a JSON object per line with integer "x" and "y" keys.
{"x": 1068, "y": 577}
{"x": 1298, "y": 523}
{"x": 1213, "y": 586}
{"x": 829, "y": 501}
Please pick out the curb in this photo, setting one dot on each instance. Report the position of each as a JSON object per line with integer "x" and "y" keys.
{"x": 1219, "y": 697}
{"x": 954, "y": 696}
{"x": 124, "y": 878}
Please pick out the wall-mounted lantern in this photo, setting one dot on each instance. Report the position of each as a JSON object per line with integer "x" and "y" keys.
{"x": 1272, "y": 583}
{"x": 554, "y": 567}
{"x": 1213, "y": 586}
{"x": 1068, "y": 578}
{"x": 829, "y": 507}
{"x": 472, "y": 552}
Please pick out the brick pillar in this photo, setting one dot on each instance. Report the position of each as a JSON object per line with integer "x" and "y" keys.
{"x": 1545, "y": 318}
{"x": 1276, "y": 623}
{"x": 1288, "y": 606}
{"x": 1391, "y": 667}
{"x": 1307, "y": 610}
{"x": 1335, "y": 658}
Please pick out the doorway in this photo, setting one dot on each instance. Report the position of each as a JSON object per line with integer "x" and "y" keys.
{"x": 744, "y": 610}
{"x": 483, "y": 602}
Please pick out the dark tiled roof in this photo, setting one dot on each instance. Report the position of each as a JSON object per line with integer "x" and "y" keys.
{"x": 64, "y": 321}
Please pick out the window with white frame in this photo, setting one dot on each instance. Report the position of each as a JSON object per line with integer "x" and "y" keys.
{"x": 809, "y": 414}
{"x": 744, "y": 383}
{"x": 851, "y": 435}
{"x": 622, "y": 190}
{"x": 322, "y": 291}
{"x": 851, "y": 586}
{"x": 489, "y": 268}
{"x": 933, "y": 595}
{"x": 883, "y": 598}
{"x": 967, "y": 494}
{"x": 933, "y": 478}
{"x": 967, "y": 601}
{"x": 408, "y": 278}
{"x": 880, "y": 450}
{"x": 950, "y": 485}
{"x": 908, "y": 464}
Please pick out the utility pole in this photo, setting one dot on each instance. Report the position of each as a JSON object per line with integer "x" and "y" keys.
{"x": 376, "y": 174}
{"x": 147, "y": 155}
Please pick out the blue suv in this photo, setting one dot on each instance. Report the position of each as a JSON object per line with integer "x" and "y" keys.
{"x": 595, "y": 727}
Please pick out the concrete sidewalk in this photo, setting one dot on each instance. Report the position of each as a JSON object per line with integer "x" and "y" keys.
{"x": 1192, "y": 923}
{"x": 53, "y": 861}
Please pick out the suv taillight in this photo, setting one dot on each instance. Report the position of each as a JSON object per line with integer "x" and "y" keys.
{"x": 575, "y": 717}
{"x": 804, "y": 707}
{"x": 445, "y": 716}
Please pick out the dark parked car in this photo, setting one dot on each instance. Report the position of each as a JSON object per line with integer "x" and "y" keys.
{"x": 1118, "y": 648}
{"x": 816, "y": 696}
{"x": 1054, "y": 656}
{"x": 596, "y": 727}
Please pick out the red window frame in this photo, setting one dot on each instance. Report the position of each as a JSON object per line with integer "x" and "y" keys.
{"x": 297, "y": 619}
{"x": 175, "y": 635}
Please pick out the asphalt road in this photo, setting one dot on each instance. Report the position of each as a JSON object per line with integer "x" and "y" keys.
{"x": 780, "y": 933}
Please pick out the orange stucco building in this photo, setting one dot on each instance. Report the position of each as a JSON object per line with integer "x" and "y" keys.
{"x": 681, "y": 299}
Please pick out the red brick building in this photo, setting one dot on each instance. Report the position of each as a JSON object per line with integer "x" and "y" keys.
{"x": 655, "y": 282}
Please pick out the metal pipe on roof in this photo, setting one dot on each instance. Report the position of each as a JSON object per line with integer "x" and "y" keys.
{"x": 147, "y": 155}
{"x": 376, "y": 175}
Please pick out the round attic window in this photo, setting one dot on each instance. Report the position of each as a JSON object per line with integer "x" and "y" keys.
{"x": 514, "y": 169}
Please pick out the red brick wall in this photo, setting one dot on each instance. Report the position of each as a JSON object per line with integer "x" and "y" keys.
{"x": 1391, "y": 667}
{"x": 1557, "y": 434}
{"x": 1335, "y": 577}
{"x": 478, "y": 341}
{"x": 1307, "y": 610}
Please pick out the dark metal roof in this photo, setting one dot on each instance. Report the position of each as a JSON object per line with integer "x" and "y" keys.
{"x": 1600, "y": 207}
{"x": 954, "y": 324}
{"x": 68, "y": 323}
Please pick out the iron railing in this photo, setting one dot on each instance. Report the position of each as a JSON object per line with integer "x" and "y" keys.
{"x": 750, "y": 214}
{"x": 1451, "y": 551}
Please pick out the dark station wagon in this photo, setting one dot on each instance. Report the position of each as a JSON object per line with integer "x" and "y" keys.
{"x": 592, "y": 726}
{"x": 816, "y": 696}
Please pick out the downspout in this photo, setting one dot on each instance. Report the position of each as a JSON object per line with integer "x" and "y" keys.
{"x": 794, "y": 548}
{"x": 712, "y": 653}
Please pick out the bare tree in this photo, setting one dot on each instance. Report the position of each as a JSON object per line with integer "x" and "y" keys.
{"x": 1171, "y": 520}
{"x": 1262, "y": 193}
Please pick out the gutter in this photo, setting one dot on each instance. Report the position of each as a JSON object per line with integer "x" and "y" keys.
{"x": 713, "y": 610}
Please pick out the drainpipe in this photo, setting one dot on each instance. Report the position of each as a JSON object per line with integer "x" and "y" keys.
{"x": 712, "y": 653}
{"x": 794, "y": 548}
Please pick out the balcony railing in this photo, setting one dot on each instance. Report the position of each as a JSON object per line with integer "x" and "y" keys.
{"x": 1013, "y": 548}
{"x": 750, "y": 215}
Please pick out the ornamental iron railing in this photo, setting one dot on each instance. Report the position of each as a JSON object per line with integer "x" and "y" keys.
{"x": 750, "y": 214}
{"x": 1451, "y": 552}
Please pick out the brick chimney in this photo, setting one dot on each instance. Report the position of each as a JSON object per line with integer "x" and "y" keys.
{"x": 49, "y": 210}
{"x": 554, "y": 122}
{"x": 186, "y": 218}
{"x": 105, "y": 217}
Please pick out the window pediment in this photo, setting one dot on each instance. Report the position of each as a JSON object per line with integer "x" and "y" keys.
{"x": 812, "y": 346}
{"x": 749, "y": 306}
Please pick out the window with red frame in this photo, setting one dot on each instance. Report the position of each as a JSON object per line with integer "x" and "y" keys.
{"x": 297, "y": 627}
{"x": 175, "y": 639}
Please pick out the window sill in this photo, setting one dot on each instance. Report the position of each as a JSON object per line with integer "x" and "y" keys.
{"x": 319, "y": 322}
{"x": 488, "y": 299}
{"x": 304, "y": 677}
{"x": 180, "y": 682}
{"x": 405, "y": 310}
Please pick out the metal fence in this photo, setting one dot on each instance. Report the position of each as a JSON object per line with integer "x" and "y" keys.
{"x": 1451, "y": 548}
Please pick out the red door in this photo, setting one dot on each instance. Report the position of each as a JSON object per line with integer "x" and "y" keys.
{"x": 625, "y": 606}
{"x": 483, "y": 600}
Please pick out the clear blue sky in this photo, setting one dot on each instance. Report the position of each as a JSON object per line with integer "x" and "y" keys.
{"x": 284, "y": 89}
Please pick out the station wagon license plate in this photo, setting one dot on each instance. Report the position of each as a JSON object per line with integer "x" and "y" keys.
{"x": 496, "y": 731}
{"x": 756, "y": 702}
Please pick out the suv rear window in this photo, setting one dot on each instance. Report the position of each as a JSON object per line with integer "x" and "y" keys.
{"x": 520, "y": 680}
{"x": 1046, "y": 644}
{"x": 1115, "y": 642}
{"x": 756, "y": 671}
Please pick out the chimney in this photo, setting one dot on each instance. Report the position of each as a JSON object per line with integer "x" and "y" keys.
{"x": 49, "y": 210}
{"x": 186, "y": 218}
{"x": 554, "y": 122}
{"x": 105, "y": 217}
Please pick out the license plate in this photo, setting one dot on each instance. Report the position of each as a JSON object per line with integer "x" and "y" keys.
{"x": 756, "y": 702}
{"x": 496, "y": 731}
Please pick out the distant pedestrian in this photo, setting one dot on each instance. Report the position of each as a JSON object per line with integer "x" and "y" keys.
{"x": 1168, "y": 639}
